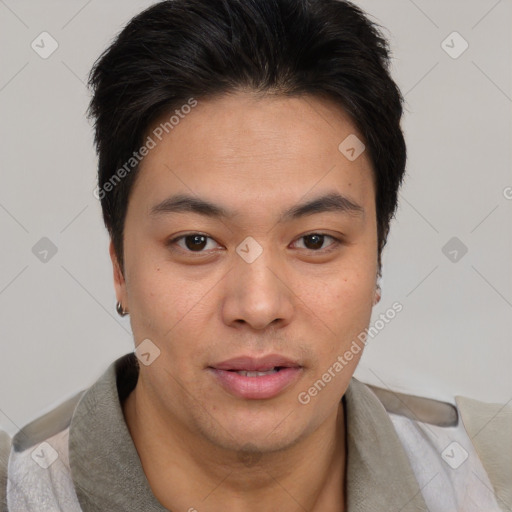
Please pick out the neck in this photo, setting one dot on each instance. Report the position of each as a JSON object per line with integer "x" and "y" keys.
{"x": 185, "y": 472}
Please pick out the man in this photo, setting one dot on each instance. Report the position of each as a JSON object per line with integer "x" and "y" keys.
{"x": 250, "y": 156}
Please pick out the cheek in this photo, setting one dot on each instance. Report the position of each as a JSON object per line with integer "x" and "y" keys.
{"x": 153, "y": 299}
{"x": 347, "y": 291}
{"x": 166, "y": 306}
{"x": 342, "y": 307}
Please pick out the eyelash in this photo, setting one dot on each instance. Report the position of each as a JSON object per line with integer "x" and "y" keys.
{"x": 331, "y": 247}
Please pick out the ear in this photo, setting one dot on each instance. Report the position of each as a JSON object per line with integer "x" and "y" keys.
{"x": 119, "y": 282}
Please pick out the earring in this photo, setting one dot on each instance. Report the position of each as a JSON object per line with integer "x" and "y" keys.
{"x": 377, "y": 295}
{"x": 120, "y": 310}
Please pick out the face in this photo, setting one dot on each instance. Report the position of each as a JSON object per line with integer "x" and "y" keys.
{"x": 283, "y": 263}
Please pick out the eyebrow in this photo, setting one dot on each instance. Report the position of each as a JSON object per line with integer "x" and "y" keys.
{"x": 333, "y": 202}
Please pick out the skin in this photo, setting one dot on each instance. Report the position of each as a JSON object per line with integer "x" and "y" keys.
{"x": 256, "y": 156}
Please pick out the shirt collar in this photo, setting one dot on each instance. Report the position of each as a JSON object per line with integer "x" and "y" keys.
{"x": 108, "y": 475}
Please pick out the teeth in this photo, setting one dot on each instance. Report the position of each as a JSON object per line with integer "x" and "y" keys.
{"x": 256, "y": 374}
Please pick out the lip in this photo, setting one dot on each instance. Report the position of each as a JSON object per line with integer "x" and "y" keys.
{"x": 258, "y": 387}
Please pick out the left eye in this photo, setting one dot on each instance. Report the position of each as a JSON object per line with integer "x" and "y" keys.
{"x": 316, "y": 240}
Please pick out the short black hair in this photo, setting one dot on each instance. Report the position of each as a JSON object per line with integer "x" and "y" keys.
{"x": 178, "y": 50}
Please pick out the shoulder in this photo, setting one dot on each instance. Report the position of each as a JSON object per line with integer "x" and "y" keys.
{"x": 115, "y": 381}
{"x": 489, "y": 426}
{"x": 479, "y": 418}
{"x": 484, "y": 418}
{"x": 46, "y": 425}
{"x": 38, "y": 467}
{"x": 469, "y": 437}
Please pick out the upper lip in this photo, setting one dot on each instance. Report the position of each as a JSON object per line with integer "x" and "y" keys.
{"x": 254, "y": 364}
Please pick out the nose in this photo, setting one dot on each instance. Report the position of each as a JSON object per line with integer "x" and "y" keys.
{"x": 258, "y": 293}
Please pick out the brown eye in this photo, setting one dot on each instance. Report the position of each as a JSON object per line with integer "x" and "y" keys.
{"x": 315, "y": 241}
{"x": 193, "y": 242}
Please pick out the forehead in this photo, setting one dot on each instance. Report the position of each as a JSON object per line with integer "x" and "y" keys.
{"x": 257, "y": 146}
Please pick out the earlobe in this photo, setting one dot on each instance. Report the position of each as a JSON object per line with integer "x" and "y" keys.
{"x": 377, "y": 295}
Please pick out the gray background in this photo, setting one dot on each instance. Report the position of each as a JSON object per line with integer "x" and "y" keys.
{"x": 58, "y": 325}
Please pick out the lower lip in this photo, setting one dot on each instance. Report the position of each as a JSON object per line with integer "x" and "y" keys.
{"x": 257, "y": 388}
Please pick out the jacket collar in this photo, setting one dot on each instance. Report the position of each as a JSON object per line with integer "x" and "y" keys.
{"x": 105, "y": 466}
{"x": 379, "y": 474}
{"x": 108, "y": 475}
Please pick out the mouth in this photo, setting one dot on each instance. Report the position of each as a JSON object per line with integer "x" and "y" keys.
{"x": 256, "y": 378}
{"x": 259, "y": 373}
{"x": 249, "y": 363}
